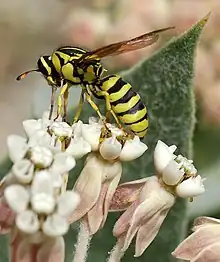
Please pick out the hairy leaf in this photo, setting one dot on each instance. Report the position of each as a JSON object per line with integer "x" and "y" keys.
{"x": 165, "y": 84}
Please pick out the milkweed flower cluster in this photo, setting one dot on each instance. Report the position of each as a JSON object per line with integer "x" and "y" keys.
{"x": 37, "y": 209}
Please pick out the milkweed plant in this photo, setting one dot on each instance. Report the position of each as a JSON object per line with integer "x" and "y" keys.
{"x": 68, "y": 184}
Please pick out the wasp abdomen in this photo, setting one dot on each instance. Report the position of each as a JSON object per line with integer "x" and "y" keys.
{"x": 127, "y": 104}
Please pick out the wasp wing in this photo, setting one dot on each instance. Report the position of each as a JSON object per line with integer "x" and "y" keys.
{"x": 124, "y": 46}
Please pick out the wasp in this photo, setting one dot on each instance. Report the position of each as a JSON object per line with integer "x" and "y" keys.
{"x": 69, "y": 66}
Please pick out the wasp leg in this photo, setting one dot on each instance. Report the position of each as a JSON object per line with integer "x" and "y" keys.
{"x": 93, "y": 105}
{"x": 109, "y": 107}
{"x": 79, "y": 108}
{"x": 65, "y": 98}
{"x": 64, "y": 88}
{"x": 52, "y": 101}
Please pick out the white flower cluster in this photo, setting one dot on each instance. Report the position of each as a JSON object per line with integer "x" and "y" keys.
{"x": 35, "y": 188}
{"x": 177, "y": 171}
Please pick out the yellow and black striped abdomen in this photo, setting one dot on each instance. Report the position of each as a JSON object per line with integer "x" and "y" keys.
{"x": 126, "y": 104}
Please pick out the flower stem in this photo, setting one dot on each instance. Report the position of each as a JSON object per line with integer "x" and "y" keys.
{"x": 116, "y": 254}
{"x": 82, "y": 244}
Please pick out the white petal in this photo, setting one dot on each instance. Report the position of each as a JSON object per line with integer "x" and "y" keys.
{"x": 132, "y": 149}
{"x": 172, "y": 173}
{"x": 43, "y": 203}
{"x": 42, "y": 183}
{"x": 28, "y": 222}
{"x": 77, "y": 129}
{"x": 57, "y": 180}
{"x": 17, "y": 147}
{"x": 31, "y": 126}
{"x": 67, "y": 203}
{"x": 191, "y": 187}
{"x": 163, "y": 155}
{"x": 78, "y": 148}
{"x": 91, "y": 133}
{"x": 55, "y": 225}
{"x": 41, "y": 156}
{"x": 17, "y": 197}
{"x": 23, "y": 170}
{"x": 45, "y": 119}
{"x": 63, "y": 162}
{"x": 61, "y": 129}
{"x": 110, "y": 149}
{"x": 41, "y": 138}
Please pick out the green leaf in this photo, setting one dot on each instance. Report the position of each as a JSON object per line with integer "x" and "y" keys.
{"x": 165, "y": 84}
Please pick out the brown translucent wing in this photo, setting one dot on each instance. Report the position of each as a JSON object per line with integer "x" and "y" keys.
{"x": 125, "y": 46}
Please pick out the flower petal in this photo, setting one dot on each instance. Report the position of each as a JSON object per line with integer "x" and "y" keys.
{"x": 152, "y": 226}
{"x": 162, "y": 156}
{"x": 95, "y": 214}
{"x": 31, "y": 126}
{"x": 17, "y": 147}
{"x": 197, "y": 241}
{"x": 17, "y": 197}
{"x": 143, "y": 212}
{"x": 132, "y": 149}
{"x": 204, "y": 221}
{"x": 23, "y": 170}
{"x": 23, "y": 252}
{"x": 52, "y": 251}
{"x": 88, "y": 186}
{"x": 172, "y": 173}
{"x": 61, "y": 129}
{"x": 91, "y": 133}
{"x": 41, "y": 156}
{"x": 55, "y": 225}
{"x": 126, "y": 194}
{"x": 110, "y": 149}
{"x": 28, "y": 222}
{"x": 7, "y": 218}
{"x": 67, "y": 203}
{"x": 41, "y": 138}
{"x": 42, "y": 199}
{"x": 191, "y": 187}
{"x": 63, "y": 162}
{"x": 78, "y": 147}
{"x": 209, "y": 254}
{"x": 111, "y": 190}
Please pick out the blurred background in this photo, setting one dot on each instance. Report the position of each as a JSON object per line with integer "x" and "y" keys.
{"x": 31, "y": 28}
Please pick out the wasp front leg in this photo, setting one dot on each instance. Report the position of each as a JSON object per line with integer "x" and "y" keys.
{"x": 63, "y": 96}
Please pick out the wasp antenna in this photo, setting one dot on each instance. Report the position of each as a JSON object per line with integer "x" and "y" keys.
{"x": 23, "y": 75}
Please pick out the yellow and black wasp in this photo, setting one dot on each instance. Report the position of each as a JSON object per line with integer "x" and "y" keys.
{"x": 68, "y": 66}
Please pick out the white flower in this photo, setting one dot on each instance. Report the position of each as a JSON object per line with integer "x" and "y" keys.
{"x": 17, "y": 147}
{"x": 110, "y": 149}
{"x": 132, "y": 149}
{"x": 91, "y": 133}
{"x": 23, "y": 171}
{"x": 41, "y": 156}
{"x": 168, "y": 166}
{"x": 17, "y": 197}
{"x": 62, "y": 163}
{"x": 61, "y": 129}
{"x": 191, "y": 187}
{"x": 78, "y": 147}
{"x": 42, "y": 193}
{"x": 163, "y": 154}
{"x": 39, "y": 208}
